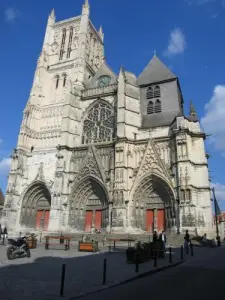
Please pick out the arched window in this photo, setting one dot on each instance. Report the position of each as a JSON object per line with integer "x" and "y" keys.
{"x": 99, "y": 124}
{"x": 56, "y": 81}
{"x": 188, "y": 195}
{"x": 157, "y": 92}
{"x": 149, "y": 94}
{"x": 150, "y": 108}
{"x": 158, "y": 106}
{"x": 62, "y": 44}
{"x": 70, "y": 42}
{"x": 182, "y": 195}
{"x": 64, "y": 80}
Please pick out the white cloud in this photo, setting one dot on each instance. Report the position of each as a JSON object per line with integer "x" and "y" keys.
{"x": 11, "y": 14}
{"x": 214, "y": 118}
{"x": 204, "y": 2}
{"x": 219, "y": 191}
{"x": 5, "y": 166}
{"x": 177, "y": 43}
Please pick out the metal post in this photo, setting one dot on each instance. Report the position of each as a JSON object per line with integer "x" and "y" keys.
{"x": 104, "y": 270}
{"x": 192, "y": 250}
{"x": 137, "y": 264}
{"x": 181, "y": 252}
{"x": 114, "y": 245}
{"x": 170, "y": 255}
{"x": 155, "y": 260}
{"x": 62, "y": 280}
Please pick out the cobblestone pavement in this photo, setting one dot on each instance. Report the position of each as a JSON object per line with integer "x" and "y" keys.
{"x": 39, "y": 277}
{"x": 200, "y": 278}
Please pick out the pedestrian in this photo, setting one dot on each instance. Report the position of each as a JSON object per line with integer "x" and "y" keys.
{"x": 155, "y": 237}
{"x": 186, "y": 241}
{"x": 5, "y": 233}
{"x": 163, "y": 240}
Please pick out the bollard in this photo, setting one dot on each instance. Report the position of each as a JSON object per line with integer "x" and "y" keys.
{"x": 170, "y": 255}
{"x": 104, "y": 271}
{"x": 192, "y": 251}
{"x": 62, "y": 280}
{"x": 155, "y": 260}
{"x": 109, "y": 248}
{"x": 114, "y": 245}
{"x": 137, "y": 264}
{"x": 181, "y": 252}
{"x": 187, "y": 248}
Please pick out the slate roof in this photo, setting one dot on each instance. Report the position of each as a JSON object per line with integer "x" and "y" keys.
{"x": 155, "y": 71}
{"x": 2, "y": 198}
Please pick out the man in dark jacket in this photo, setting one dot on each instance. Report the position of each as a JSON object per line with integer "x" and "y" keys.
{"x": 163, "y": 239}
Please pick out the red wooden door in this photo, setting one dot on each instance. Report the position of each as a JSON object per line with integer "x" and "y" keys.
{"x": 38, "y": 218}
{"x": 161, "y": 220}
{"x": 149, "y": 220}
{"x": 46, "y": 219}
{"x": 98, "y": 219}
{"x": 88, "y": 221}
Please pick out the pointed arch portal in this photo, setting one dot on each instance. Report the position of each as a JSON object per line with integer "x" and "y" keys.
{"x": 89, "y": 206}
{"x": 153, "y": 205}
{"x": 36, "y": 207}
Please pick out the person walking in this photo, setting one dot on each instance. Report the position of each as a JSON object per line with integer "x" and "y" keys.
{"x": 5, "y": 233}
{"x": 186, "y": 241}
{"x": 155, "y": 237}
{"x": 163, "y": 240}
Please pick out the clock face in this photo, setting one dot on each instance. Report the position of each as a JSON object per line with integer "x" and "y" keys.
{"x": 103, "y": 81}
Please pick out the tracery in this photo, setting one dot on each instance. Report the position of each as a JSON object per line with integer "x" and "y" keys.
{"x": 99, "y": 124}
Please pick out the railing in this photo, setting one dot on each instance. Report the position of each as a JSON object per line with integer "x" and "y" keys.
{"x": 99, "y": 91}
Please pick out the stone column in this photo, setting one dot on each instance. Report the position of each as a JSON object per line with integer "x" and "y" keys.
{"x": 155, "y": 219}
{"x": 93, "y": 219}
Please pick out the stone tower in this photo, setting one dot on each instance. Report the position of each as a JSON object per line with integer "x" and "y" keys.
{"x": 101, "y": 151}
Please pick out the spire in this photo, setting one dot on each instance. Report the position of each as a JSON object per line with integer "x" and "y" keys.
{"x": 100, "y": 32}
{"x": 192, "y": 112}
{"x": 86, "y": 8}
{"x": 52, "y": 14}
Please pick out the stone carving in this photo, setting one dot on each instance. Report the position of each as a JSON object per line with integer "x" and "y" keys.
{"x": 75, "y": 42}
{"x": 56, "y": 35}
{"x": 151, "y": 162}
{"x": 60, "y": 160}
{"x": 40, "y": 173}
{"x": 91, "y": 166}
{"x": 54, "y": 47}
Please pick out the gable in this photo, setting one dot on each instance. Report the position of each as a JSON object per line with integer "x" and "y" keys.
{"x": 104, "y": 70}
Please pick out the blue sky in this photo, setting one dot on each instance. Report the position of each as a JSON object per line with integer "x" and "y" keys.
{"x": 188, "y": 35}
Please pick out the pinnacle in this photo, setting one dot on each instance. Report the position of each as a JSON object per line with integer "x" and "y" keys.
{"x": 52, "y": 14}
{"x": 86, "y": 3}
{"x": 192, "y": 111}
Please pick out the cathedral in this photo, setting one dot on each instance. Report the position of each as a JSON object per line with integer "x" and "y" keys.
{"x": 104, "y": 151}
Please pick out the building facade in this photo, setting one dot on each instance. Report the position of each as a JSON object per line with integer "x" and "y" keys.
{"x": 103, "y": 151}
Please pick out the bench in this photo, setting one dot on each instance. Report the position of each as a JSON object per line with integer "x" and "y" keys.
{"x": 121, "y": 240}
{"x": 88, "y": 247}
{"x": 64, "y": 240}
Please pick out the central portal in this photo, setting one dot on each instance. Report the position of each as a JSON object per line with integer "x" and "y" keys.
{"x": 153, "y": 205}
{"x": 89, "y": 206}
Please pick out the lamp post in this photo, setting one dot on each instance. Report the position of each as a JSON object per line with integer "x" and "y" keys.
{"x": 217, "y": 227}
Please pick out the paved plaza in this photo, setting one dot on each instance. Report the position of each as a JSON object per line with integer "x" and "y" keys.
{"x": 39, "y": 277}
{"x": 200, "y": 278}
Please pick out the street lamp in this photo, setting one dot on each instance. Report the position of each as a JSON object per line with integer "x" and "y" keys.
{"x": 216, "y": 209}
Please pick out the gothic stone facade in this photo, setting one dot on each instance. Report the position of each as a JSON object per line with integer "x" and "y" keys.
{"x": 101, "y": 151}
